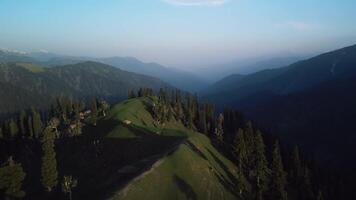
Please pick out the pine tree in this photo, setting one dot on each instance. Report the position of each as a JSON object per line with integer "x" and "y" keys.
{"x": 11, "y": 179}
{"x": 249, "y": 139}
{"x": 239, "y": 152}
{"x": 30, "y": 127}
{"x": 49, "y": 172}
{"x": 36, "y": 123}
{"x": 306, "y": 186}
{"x": 244, "y": 186}
{"x": 296, "y": 171}
{"x": 202, "y": 121}
{"x": 94, "y": 112}
{"x": 219, "y": 132}
{"x": 261, "y": 170}
{"x": 13, "y": 129}
{"x": 22, "y": 123}
{"x": 278, "y": 179}
{"x": 54, "y": 109}
{"x": 68, "y": 184}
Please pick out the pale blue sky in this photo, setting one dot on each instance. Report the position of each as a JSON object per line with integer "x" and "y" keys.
{"x": 179, "y": 33}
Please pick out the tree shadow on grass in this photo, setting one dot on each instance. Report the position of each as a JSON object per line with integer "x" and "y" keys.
{"x": 185, "y": 188}
{"x": 195, "y": 149}
{"x": 229, "y": 184}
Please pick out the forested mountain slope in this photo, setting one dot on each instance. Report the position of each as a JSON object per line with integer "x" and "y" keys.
{"x": 300, "y": 76}
{"x": 31, "y": 84}
{"x": 310, "y": 103}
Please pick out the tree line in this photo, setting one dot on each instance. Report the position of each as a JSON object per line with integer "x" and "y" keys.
{"x": 266, "y": 168}
{"x": 64, "y": 119}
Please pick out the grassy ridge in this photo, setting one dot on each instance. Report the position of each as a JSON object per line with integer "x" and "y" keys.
{"x": 195, "y": 170}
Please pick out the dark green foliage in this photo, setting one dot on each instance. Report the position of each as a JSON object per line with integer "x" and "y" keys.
{"x": 240, "y": 150}
{"x": 296, "y": 172}
{"x": 261, "y": 172}
{"x": 68, "y": 184}
{"x": 22, "y": 122}
{"x": 219, "y": 131}
{"x": 30, "y": 127}
{"x": 243, "y": 186}
{"x": 279, "y": 176}
{"x": 13, "y": 129}
{"x": 49, "y": 172}
{"x": 36, "y": 123}
{"x": 94, "y": 111}
{"x": 11, "y": 179}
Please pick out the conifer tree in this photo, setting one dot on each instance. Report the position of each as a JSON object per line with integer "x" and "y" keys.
{"x": 30, "y": 127}
{"x": 278, "y": 179}
{"x": 261, "y": 170}
{"x": 202, "y": 121}
{"x": 239, "y": 152}
{"x": 94, "y": 112}
{"x": 244, "y": 186}
{"x": 13, "y": 129}
{"x": 68, "y": 184}
{"x": 11, "y": 179}
{"x": 36, "y": 123}
{"x": 306, "y": 186}
{"x": 219, "y": 132}
{"x": 22, "y": 123}
{"x": 296, "y": 171}
{"x": 49, "y": 172}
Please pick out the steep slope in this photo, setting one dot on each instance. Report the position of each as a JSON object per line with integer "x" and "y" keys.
{"x": 82, "y": 80}
{"x": 296, "y": 77}
{"x": 190, "y": 169}
{"x": 309, "y": 103}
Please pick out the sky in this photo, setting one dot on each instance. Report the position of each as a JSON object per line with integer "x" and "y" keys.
{"x": 178, "y": 33}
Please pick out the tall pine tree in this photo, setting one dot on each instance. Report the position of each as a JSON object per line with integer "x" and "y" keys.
{"x": 279, "y": 176}
{"x": 261, "y": 171}
{"x": 49, "y": 172}
{"x": 22, "y": 123}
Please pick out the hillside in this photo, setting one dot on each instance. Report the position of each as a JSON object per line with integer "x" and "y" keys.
{"x": 38, "y": 84}
{"x": 186, "y": 171}
{"x": 309, "y": 103}
{"x": 293, "y": 78}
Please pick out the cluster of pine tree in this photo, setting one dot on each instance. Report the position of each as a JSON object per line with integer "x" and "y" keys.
{"x": 266, "y": 171}
{"x": 65, "y": 118}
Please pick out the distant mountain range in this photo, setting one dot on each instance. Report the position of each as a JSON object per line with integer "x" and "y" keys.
{"x": 311, "y": 102}
{"x": 178, "y": 78}
{"x": 217, "y": 72}
{"x": 25, "y": 84}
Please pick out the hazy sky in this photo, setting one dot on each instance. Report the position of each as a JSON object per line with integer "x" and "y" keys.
{"x": 178, "y": 32}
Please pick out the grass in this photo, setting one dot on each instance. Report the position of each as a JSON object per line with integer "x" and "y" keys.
{"x": 142, "y": 161}
{"x": 31, "y": 67}
{"x": 196, "y": 170}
